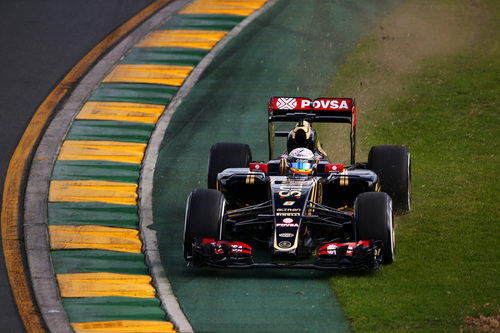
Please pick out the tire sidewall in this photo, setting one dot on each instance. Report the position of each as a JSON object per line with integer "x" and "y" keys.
{"x": 392, "y": 164}
{"x": 224, "y": 155}
{"x": 204, "y": 217}
{"x": 374, "y": 220}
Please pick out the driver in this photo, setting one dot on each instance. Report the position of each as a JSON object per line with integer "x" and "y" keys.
{"x": 301, "y": 161}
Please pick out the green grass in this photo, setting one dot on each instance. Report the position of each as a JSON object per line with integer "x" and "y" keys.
{"x": 447, "y": 263}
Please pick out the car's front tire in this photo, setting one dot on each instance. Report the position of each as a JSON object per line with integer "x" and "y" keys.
{"x": 393, "y": 167}
{"x": 373, "y": 220}
{"x": 204, "y": 215}
{"x": 224, "y": 155}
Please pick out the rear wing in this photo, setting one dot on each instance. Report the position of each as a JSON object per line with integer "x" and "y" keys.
{"x": 321, "y": 110}
{"x": 324, "y": 110}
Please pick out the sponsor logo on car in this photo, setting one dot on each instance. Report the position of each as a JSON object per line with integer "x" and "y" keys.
{"x": 288, "y": 203}
{"x": 285, "y": 244}
{"x": 287, "y": 214}
{"x": 287, "y": 220}
{"x": 326, "y": 104}
{"x": 288, "y": 209}
{"x": 331, "y": 249}
{"x": 286, "y": 103}
{"x": 296, "y": 225}
{"x": 286, "y": 235}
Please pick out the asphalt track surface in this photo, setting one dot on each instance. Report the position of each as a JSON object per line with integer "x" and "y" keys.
{"x": 40, "y": 42}
{"x": 280, "y": 54}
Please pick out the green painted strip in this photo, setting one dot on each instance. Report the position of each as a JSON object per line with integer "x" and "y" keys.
{"x": 90, "y": 309}
{"x": 165, "y": 56}
{"x": 97, "y": 309}
{"x": 134, "y": 93}
{"x": 93, "y": 213}
{"x": 96, "y": 170}
{"x": 94, "y": 261}
{"x": 200, "y": 22}
{"x": 110, "y": 130}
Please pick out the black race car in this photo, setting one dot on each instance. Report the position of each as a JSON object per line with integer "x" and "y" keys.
{"x": 298, "y": 210}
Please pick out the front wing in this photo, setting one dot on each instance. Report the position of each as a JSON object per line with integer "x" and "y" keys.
{"x": 331, "y": 256}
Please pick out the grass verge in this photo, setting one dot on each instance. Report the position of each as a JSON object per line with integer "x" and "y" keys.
{"x": 428, "y": 78}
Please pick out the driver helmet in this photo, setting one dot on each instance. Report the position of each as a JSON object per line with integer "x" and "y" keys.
{"x": 301, "y": 161}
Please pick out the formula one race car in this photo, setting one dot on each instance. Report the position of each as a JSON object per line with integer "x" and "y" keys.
{"x": 298, "y": 210}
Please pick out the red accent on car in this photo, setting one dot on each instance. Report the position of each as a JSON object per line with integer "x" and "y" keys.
{"x": 334, "y": 168}
{"x": 354, "y": 116}
{"x": 331, "y": 248}
{"x": 332, "y": 104}
{"x": 236, "y": 247}
{"x": 291, "y": 103}
{"x": 262, "y": 167}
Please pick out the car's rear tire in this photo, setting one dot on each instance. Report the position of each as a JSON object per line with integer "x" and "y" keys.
{"x": 225, "y": 155}
{"x": 204, "y": 215}
{"x": 373, "y": 220}
{"x": 393, "y": 167}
